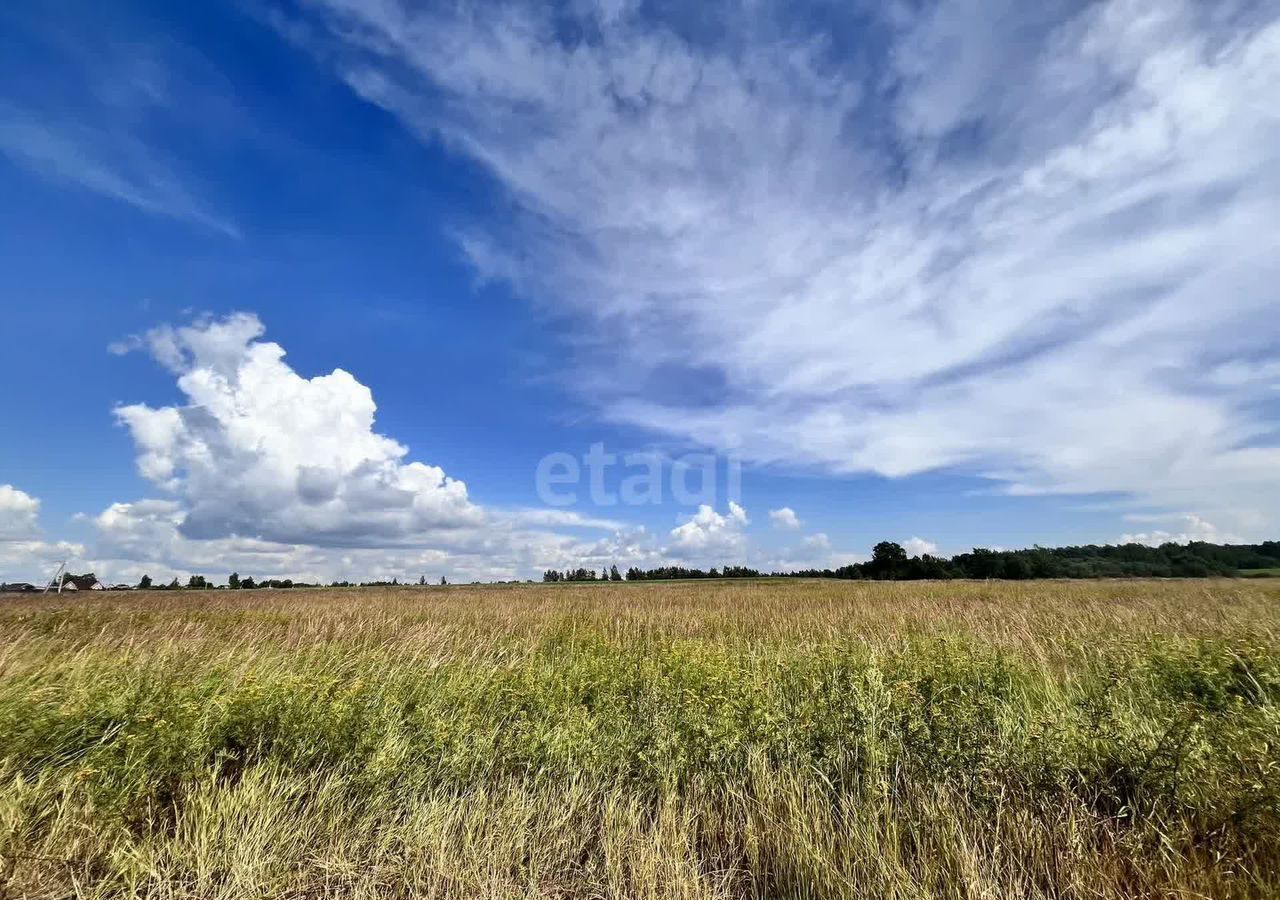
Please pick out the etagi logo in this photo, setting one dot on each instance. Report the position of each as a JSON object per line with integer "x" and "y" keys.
{"x": 691, "y": 479}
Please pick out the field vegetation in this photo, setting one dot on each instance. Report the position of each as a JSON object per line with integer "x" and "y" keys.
{"x": 683, "y": 740}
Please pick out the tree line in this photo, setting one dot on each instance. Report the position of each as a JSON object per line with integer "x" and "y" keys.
{"x": 247, "y": 583}
{"x": 663, "y": 573}
{"x": 612, "y": 574}
{"x": 890, "y": 562}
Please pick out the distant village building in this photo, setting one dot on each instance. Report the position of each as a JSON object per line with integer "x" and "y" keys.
{"x": 69, "y": 582}
{"x": 87, "y": 582}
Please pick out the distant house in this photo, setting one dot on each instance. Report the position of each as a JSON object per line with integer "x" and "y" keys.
{"x": 121, "y": 587}
{"x": 17, "y": 586}
{"x": 87, "y": 582}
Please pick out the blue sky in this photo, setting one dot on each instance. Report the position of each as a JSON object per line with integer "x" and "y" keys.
{"x": 310, "y": 289}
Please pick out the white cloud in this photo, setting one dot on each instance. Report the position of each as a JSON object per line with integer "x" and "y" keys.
{"x": 1015, "y": 244}
{"x": 1192, "y": 528}
{"x": 273, "y": 474}
{"x": 96, "y": 109}
{"x": 78, "y": 156}
{"x": 259, "y": 451}
{"x": 19, "y": 512}
{"x": 817, "y": 543}
{"x": 919, "y": 547}
{"x": 814, "y": 551}
{"x": 24, "y": 554}
{"x": 562, "y": 518}
{"x": 784, "y": 518}
{"x": 708, "y": 535}
{"x": 144, "y": 538}
{"x": 36, "y": 560}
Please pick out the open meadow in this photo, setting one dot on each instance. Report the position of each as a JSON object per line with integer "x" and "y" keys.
{"x": 793, "y": 738}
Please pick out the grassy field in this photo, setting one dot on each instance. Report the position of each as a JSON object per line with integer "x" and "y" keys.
{"x": 690, "y": 740}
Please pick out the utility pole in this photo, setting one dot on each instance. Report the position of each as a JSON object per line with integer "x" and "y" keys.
{"x": 58, "y": 576}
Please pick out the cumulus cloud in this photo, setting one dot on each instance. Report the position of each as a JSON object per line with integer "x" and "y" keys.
{"x": 708, "y": 534}
{"x": 813, "y": 551}
{"x": 784, "y": 518}
{"x": 270, "y": 473}
{"x": 919, "y": 547}
{"x": 144, "y": 537}
{"x": 260, "y": 451}
{"x": 817, "y": 543}
{"x": 24, "y": 554}
{"x": 1190, "y": 528}
{"x": 1017, "y": 241}
{"x": 18, "y": 513}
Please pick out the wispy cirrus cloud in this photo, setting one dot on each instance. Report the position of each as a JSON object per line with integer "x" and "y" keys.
{"x": 102, "y": 108}
{"x": 1018, "y": 241}
{"x": 112, "y": 165}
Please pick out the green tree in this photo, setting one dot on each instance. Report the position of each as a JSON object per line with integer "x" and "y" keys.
{"x": 887, "y": 558}
{"x": 1016, "y": 566}
{"x": 144, "y": 584}
{"x": 234, "y": 581}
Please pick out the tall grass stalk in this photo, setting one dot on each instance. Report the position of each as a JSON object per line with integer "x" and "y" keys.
{"x": 708, "y": 740}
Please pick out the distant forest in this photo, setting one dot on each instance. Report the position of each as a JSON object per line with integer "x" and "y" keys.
{"x": 890, "y": 562}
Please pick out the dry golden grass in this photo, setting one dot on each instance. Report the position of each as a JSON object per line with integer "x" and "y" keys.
{"x": 718, "y": 739}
